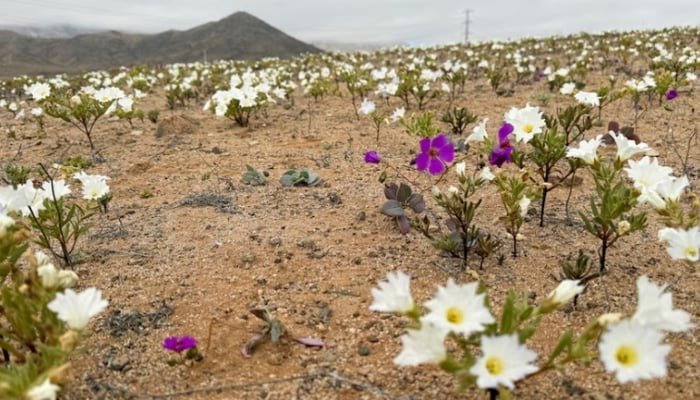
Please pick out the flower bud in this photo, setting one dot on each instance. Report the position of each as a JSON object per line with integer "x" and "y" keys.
{"x": 60, "y": 373}
{"x": 76, "y": 100}
{"x": 69, "y": 340}
{"x": 48, "y": 274}
{"x": 609, "y": 318}
{"x": 623, "y": 227}
{"x": 436, "y": 191}
{"x": 567, "y": 290}
{"x": 461, "y": 169}
{"x": 67, "y": 279}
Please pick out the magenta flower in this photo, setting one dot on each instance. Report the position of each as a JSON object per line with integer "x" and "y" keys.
{"x": 372, "y": 157}
{"x": 502, "y": 152}
{"x": 671, "y": 94}
{"x": 435, "y": 154}
{"x": 179, "y": 344}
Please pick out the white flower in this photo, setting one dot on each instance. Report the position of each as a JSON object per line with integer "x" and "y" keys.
{"x": 45, "y": 391}
{"x": 486, "y": 174}
{"x": 76, "y": 309}
{"x": 422, "y": 346}
{"x": 459, "y": 309}
{"x": 685, "y": 245}
{"x": 647, "y": 174}
{"x": 504, "y": 361}
{"x": 527, "y": 122}
{"x": 58, "y": 189}
{"x": 633, "y": 351}
{"x": 671, "y": 189}
{"x": 48, "y": 274}
{"x": 398, "y": 114}
{"x": 39, "y": 91}
{"x": 461, "y": 169}
{"x": 367, "y": 107}
{"x": 394, "y": 294}
{"x": 37, "y": 112}
{"x": 568, "y": 88}
{"x": 524, "y": 203}
{"x": 588, "y": 98}
{"x": 126, "y": 104}
{"x": 587, "y": 150}
{"x": 655, "y": 308}
{"x": 94, "y": 186}
{"x": 565, "y": 291}
{"x": 479, "y": 133}
{"x": 626, "y": 148}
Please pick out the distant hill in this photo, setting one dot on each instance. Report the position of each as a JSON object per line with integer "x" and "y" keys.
{"x": 238, "y": 36}
{"x": 62, "y": 31}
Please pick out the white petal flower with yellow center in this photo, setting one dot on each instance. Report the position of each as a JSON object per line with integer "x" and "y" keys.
{"x": 685, "y": 245}
{"x": 527, "y": 122}
{"x": 655, "y": 308}
{"x": 394, "y": 294}
{"x": 422, "y": 346}
{"x": 633, "y": 351}
{"x": 504, "y": 361}
{"x": 459, "y": 309}
{"x": 76, "y": 309}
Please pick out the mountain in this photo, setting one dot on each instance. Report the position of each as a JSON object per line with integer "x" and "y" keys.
{"x": 238, "y": 36}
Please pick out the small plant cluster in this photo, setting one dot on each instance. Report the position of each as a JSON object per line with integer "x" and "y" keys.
{"x": 490, "y": 351}
{"x": 57, "y": 218}
{"x": 43, "y": 318}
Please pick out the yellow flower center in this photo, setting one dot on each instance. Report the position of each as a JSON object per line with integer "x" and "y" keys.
{"x": 626, "y": 356}
{"x": 528, "y": 128}
{"x": 94, "y": 193}
{"x": 494, "y": 365}
{"x": 690, "y": 252}
{"x": 454, "y": 315}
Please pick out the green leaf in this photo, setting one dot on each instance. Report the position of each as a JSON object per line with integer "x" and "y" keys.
{"x": 564, "y": 343}
{"x": 276, "y": 330}
{"x": 508, "y": 316}
{"x": 403, "y": 193}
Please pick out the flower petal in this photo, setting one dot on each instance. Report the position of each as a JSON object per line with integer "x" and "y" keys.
{"x": 440, "y": 141}
{"x": 436, "y": 166}
{"x": 425, "y": 145}
{"x": 422, "y": 161}
{"x": 447, "y": 153}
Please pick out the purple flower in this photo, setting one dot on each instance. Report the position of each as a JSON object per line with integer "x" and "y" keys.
{"x": 502, "y": 152}
{"x": 434, "y": 154}
{"x": 372, "y": 157}
{"x": 179, "y": 344}
{"x": 671, "y": 94}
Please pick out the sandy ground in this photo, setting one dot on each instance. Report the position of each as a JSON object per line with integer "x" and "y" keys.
{"x": 311, "y": 255}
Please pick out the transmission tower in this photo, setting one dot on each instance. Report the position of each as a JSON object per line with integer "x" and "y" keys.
{"x": 467, "y": 21}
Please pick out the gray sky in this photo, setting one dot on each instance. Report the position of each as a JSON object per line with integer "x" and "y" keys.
{"x": 412, "y": 21}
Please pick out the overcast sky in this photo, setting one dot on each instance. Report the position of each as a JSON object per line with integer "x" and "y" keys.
{"x": 408, "y": 21}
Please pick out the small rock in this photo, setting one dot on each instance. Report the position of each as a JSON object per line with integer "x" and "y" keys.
{"x": 363, "y": 350}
